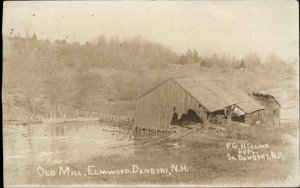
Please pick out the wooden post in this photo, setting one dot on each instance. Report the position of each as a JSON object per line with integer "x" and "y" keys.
{"x": 229, "y": 114}
{"x": 279, "y": 117}
{"x": 130, "y": 134}
{"x": 208, "y": 118}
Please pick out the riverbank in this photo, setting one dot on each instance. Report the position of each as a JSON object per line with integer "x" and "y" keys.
{"x": 205, "y": 159}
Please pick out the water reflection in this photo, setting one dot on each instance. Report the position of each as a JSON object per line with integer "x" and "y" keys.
{"x": 46, "y": 144}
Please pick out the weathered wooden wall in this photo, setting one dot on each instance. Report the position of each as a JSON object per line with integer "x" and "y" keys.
{"x": 272, "y": 108}
{"x": 154, "y": 110}
{"x": 251, "y": 118}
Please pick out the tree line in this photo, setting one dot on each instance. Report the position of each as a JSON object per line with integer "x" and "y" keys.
{"x": 61, "y": 71}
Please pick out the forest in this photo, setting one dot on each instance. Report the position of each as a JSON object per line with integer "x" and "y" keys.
{"x": 40, "y": 75}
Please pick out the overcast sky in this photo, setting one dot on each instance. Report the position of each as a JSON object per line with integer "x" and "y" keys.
{"x": 221, "y": 27}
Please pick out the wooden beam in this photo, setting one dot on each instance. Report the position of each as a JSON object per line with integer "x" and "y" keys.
{"x": 216, "y": 127}
{"x": 279, "y": 116}
{"x": 230, "y": 109}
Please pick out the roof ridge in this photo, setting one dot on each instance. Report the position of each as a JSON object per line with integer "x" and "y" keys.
{"x": 212, "y": 93}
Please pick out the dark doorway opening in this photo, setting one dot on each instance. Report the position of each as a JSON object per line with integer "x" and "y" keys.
{"x": 174, "y": 119}
{"x": 238, "y": 118}
{"x": 190, "y": 117}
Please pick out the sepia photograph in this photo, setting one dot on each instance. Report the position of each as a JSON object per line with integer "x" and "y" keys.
{"x": 150, "y": 93}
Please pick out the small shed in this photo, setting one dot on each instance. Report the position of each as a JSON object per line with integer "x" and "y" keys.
{"x": 193, "y": 98}
{"x": 271, "y": 105}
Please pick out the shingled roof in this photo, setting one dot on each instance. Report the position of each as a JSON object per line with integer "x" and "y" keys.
{"x": 216, "y": 94}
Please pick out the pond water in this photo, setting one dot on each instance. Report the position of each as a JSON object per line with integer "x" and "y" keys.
{"x": 61, "y": 143}
{"x": 77, "y": 144}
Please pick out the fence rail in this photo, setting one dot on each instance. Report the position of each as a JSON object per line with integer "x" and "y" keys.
{"x": 105, "y": 115}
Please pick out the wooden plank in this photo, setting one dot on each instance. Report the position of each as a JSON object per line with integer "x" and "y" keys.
{"x": 216, "y": 127}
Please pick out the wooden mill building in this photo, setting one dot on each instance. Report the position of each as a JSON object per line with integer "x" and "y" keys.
{"x": 197, "y": 98}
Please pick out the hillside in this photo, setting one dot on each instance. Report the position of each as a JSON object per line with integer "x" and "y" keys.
{"x": 40, "y": 75}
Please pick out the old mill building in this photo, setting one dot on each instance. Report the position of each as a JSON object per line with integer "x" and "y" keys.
{"x": 198, "y": 99}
